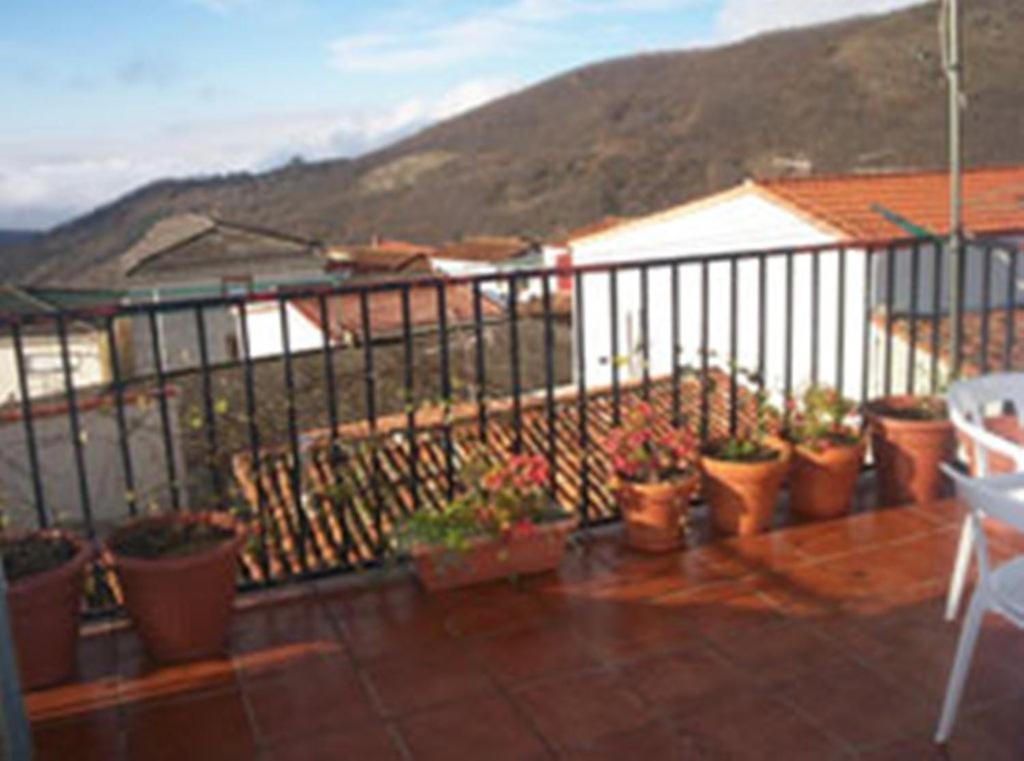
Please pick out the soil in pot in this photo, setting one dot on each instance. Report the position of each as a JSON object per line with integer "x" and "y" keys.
{"x": 44, "y": 574}
{"x": 652, "y": 513}
{"x": 489, "y": 558}
{"x": 910, "y": 438}
{"x": 822, "y": 480}
{"x": 742, "y": 492}
{"x": 178, "y": 575}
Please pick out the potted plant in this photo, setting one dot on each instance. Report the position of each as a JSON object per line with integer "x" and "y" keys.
{"x": 503, "y": 524}
{"x": 743, "y": 473}
{"x": 44, "y": 596}
{"x": 827, "y": 453}
{"x": 654, "y": 478}
{"x": 177, "y": 573}
{"x": 910, "y": 437}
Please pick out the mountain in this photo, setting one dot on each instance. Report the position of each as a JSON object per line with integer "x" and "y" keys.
{"x": 624, "y": 137}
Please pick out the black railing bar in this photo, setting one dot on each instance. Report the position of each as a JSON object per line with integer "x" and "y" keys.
{"x": 165, "y": 418}
{"x": 865, "y": 370}
{"x": 645, "y": 333}
{"x": 370, "y": 391}
{"x": 613, "y": 358}
{"x": 446, "y": 388}
{"x": 762, "y": 321}
{"x": 1011, "y": 309}
{"x": 788, "y": 349}
{"x": 841, "y": 321}
{"x": 514, "y": 369}
{"x": 890, "y": 295}
{"x": 676, "y": 348}
{"x": 75, "y": 426}
{"x": 124, "y": 444}
{"x": 480, "y": 363}
{"x": 734, "y": 338}
{"x": 409, "y": 391}
{"x": 209, "y": 416}
{"x": 549, "y": 385}
{"x": 815, "y": 314}
{"x": 986, "y": 296}
{"x": 705, "y": 348}
{"x": 254, "y": 438}
{"x": 296, "y": 463}
{"x": 915, "y": 277}
{"x": 28, "y": 422}
{"x": 937, "y": 269}
{"x": 581, "y": 401}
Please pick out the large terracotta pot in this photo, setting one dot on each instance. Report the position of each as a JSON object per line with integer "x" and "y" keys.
{"x": 821, "y": 482}
{"x": 742, "y": 495}
{"x": 44, "y": 611}
{"x": 908, "y": 453}
{"x": 1006, "y": 426}
{"x": 488, "y": 559}
{"x": 652, "y": 512}
{"x": 181, "y": 606}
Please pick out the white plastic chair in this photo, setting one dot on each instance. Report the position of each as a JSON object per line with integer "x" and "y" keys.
{"x": 970, "y": 402}
{"x": 1000, "y": 590}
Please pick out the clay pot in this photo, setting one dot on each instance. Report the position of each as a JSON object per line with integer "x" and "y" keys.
{"x": 489, "y": 559}
{"x": 652, "y": 512}
{"x": 821, "y": 483}
{"x": 181, "y": 606}
{"x": 742, "y": 495}
{"x": 44, "y": 611}
{"x": 908, "y": 453}
{"x": 1005, "y": 426}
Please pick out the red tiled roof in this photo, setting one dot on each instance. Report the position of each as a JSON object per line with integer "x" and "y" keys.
{"x": 484, "y": 249}
{"x": 1000, "y": 326}
{"x": 388, "y": 256}
{"x": 385, "y": 307}
{"x": 342, "y": 500}
{"x": 993, "y": 201}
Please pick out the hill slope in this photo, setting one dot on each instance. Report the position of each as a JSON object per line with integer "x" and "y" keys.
{"x": 626, "y": 137}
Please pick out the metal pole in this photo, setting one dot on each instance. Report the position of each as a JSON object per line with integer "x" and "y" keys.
{"x": 15, "y": 742}
{"x": 954, "y": 73}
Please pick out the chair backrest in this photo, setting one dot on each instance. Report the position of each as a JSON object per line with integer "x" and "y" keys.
{"x": 970, "y": 402}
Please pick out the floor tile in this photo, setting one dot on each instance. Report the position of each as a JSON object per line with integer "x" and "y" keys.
{"x": 582, "y": 708}
{"x": 86, "y": 737}
{"x": 403, "y": 684}
{"x": 534, "y": 652}
{"x": 208, "y": 727}
{"x": 477, "y": 729}
{"x": 371, "y": 741}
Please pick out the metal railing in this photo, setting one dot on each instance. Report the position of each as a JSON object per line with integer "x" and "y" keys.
{"x": 323, "y": 439}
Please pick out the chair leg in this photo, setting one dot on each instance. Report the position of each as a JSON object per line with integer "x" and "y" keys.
{"x": 960, "y": 567}
{"x": 962, "y": 664}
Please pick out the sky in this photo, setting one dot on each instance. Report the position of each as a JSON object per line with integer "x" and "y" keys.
{"x": 102, "y": 96}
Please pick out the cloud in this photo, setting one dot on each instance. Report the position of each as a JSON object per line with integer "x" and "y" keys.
{"x": 742, "y": 18}
{"x": 44, "y": 183}
{"x": 501, "y": 29}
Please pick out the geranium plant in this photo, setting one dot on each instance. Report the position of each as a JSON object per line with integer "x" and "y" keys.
{"x": 641, "y": 453}
{"x": 502, "y": 501}
{"x": 748, "y": 443}
{"x": 820, "y": 418}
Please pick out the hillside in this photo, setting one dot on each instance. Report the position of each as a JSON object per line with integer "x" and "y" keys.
{"x": 625, "y": 137}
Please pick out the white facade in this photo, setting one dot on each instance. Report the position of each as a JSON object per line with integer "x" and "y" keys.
{"x": 741, "y": 220}
{"x": 45, "y": 366}
{"x": 266, "y": 339}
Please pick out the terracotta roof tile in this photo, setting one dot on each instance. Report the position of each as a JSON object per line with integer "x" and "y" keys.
{"x": 993, "y": 201}
{"x": 484, "y": 249}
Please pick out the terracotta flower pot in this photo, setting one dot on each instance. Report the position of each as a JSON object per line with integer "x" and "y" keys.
{"x": 1005, "y": 426}
{"x": 821, "y": 482}
{"x": 652, "y": 512}
{"x": 908, "y": 453}
{"x": 182, "y": 605}
{"x": 489, "y": 559}
{"x": 44, "y": 612}
{"x": 742, "y": 495}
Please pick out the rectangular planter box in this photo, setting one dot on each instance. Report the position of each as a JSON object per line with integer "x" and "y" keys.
{"x": 489, "y": 559}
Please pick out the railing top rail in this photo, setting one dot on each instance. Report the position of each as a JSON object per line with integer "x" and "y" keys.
{"x": 377, "y": 285}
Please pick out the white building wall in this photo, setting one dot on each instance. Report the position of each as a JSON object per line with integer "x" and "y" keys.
{"x": 45, "y": 367}
{"x": 740, "y": 222}
{"x": 265, "y": 336}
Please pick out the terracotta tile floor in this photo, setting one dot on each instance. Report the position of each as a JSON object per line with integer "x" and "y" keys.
{"x": 813, "y": 642}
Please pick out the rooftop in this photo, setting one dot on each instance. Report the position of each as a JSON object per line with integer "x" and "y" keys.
{"x": 858, "y": 204}
{"x": 814, "y": 642}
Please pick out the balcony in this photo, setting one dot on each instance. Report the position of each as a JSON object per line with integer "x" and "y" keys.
{"x": 820, "y": 641}
{"x": 812, "y": 641}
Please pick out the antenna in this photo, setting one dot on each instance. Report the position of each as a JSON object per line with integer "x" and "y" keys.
{"x": 949, "y": 29}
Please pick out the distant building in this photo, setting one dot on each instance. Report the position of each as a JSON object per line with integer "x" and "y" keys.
{"x": 832, "y": 212}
